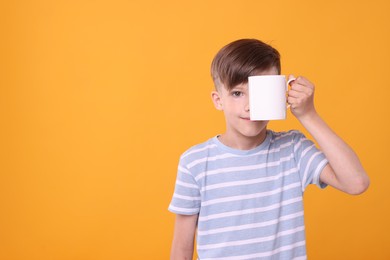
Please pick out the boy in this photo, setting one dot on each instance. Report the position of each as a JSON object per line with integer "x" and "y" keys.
{"x": 241, "y": 191}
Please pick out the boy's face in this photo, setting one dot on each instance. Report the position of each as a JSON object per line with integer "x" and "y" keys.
{"x": 235, "y": 105}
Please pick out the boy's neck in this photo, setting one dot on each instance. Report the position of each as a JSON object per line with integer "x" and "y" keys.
{"x": 240, "y": 142}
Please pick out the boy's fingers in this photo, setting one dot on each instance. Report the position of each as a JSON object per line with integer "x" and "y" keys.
{"x": 302, "y": 88}
{"x": 303, "y": 81}
{"x": 300, "y": 93}
{"x": 294, "y": 94}
{"x": 292, "y": 102}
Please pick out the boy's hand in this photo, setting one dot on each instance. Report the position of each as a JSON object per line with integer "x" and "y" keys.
{"x": 301, "y": 97}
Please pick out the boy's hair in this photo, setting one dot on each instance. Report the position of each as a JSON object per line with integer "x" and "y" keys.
{"x": 240, "y": 59}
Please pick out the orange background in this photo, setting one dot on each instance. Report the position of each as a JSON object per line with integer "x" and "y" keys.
{"x": 98, "y": 99}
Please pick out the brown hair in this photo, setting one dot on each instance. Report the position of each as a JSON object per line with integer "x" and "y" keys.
{"x": 240, "y": 59}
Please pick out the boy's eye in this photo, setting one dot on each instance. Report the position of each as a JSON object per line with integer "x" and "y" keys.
{"x": 237, "y": 93}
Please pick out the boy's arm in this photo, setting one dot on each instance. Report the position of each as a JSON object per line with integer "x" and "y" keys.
{"x": 344, "y": 171}
{"x": 183, "y": 238}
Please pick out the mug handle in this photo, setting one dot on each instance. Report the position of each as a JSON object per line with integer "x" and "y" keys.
{"x": 288, "y": 83}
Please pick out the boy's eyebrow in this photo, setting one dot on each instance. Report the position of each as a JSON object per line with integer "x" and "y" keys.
{"x": 238, "y": 87}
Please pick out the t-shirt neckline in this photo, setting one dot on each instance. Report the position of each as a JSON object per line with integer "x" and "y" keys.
{"x": 229, "y": 149}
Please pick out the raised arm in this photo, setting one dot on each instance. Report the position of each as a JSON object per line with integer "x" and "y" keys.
{"x": 183, "y": 238}
{"x": 344, "y": 171}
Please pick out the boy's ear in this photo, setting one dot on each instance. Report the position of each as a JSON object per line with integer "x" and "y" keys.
{"x": 216, "y": 100}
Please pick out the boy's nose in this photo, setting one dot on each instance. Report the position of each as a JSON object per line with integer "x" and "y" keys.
{"x": 246, "y": 107}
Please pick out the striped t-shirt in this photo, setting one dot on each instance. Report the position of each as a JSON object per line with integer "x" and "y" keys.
{"x": 249, "y": 202}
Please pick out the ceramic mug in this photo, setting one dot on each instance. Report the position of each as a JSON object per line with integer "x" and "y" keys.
{"x": 267, "y": 97}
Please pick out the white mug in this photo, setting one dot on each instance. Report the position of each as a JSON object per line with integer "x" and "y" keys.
{"x": 267, "y": 97}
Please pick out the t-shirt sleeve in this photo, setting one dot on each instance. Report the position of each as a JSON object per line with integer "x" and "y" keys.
{"x": 186, "y": 197}
{"x": 310, "y": 161}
